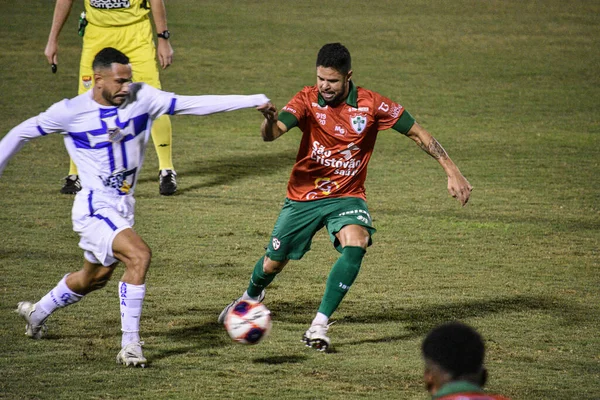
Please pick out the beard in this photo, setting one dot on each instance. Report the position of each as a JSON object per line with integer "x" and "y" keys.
{"x": 337, "y": 99}
{"x": 115, "y": 100}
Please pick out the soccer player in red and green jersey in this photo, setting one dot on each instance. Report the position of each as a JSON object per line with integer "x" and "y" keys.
{"x": 339, "y": 123}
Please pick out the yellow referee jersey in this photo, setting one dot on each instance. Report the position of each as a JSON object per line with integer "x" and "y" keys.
{"x": 114, "y": 13}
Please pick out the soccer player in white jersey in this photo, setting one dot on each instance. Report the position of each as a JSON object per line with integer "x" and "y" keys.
{"x": 106, "y": 131}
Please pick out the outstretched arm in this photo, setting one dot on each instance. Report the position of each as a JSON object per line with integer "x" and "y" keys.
{"x": 271, "y": 128}
{"x": 458, "y": 186}
{"x": 62, "y": 9}
{"x": 211, "y": 104}
{"x": 164, "y": 50}
{"x": 16, "y": 138}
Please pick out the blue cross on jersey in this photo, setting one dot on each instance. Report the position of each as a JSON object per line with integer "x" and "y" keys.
{"x": 116, "y": 144}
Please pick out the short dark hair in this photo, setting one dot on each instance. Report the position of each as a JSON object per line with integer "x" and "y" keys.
{"x": 108, "y": 56}
{"x": 336, "y": 56}
{"x": 457, "y": 348}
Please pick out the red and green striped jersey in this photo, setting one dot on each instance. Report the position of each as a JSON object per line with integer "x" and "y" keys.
{"x": 337, "y": 142}
{"x": 463, "y": 390}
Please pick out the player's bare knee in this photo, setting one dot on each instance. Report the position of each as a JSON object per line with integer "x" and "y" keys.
{"x": 364, "y": 242}
{"x": 142, "y": 256}
{"x": 359, "y": 241}
{"x": 80, "y": 282}
{"x": 145, "y": 256}
{"x": 99, "y": 283}
{"x": 101, "y": 278}
{"x": 273, "y": 266}
{"x": 139, "y": 261}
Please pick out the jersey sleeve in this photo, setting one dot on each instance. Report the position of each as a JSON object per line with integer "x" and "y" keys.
{"x": 157, "y": 102}
{"x": 169, "y": 103}
{"x": 210, "y": 104}
{"x": 53, "y": 120}
{"x": 404, "y": 123}
{"x": 294, "y": 111}
{"x": 390, "y": 114}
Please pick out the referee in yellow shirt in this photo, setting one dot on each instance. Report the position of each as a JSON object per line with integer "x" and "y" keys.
{"x": 124, "y": 25}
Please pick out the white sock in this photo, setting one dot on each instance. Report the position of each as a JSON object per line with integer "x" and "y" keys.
{"x": 131, "y": 298}
{"x": 59, "y": 297}
{"x": 320, "y": 319}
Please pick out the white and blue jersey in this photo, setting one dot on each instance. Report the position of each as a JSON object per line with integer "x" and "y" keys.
{"x": 108, "y": 145}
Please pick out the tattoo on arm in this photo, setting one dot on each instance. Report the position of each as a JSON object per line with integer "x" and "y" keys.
{"x": 434, "y": 149}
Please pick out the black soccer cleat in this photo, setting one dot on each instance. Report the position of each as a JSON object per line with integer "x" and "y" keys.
{"x": 167, "y": 183}
{"x": 72, "y": 185}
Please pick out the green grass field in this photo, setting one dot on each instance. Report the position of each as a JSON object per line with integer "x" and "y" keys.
{"x": 509, "y": 88}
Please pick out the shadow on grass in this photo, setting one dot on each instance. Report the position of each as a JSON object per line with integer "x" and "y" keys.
{"x": 206, "y": 336}
{"x": 416, "y": 322}
{"x": 211, "y": 336}
{"x": 233, "y": 168}
{"x": 275, "y": 360}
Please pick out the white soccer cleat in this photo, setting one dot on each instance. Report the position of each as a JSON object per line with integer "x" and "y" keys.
{"x": 132, "y": 355}
{"x": 316, "y": 337}
{"x": 34, "y": 331}
{"x": 228, "y": 307}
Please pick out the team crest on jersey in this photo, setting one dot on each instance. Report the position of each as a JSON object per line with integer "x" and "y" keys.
{"x": 115, "y": 135}
{"x": 276, "y": 244}
{"x": 87, "y": 81}
{"x": 359, "y": 123}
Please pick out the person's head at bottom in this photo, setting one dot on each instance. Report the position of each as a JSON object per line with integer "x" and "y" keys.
{"x": 453, "y": 352}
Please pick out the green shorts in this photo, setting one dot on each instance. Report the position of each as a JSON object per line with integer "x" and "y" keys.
{"x": 299, "y": 221}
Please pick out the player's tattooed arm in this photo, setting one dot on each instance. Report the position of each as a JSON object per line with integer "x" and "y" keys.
{"x": 434, "y": 149}
{"x": 427, "y": 142}
{"x": 458, "y": 186}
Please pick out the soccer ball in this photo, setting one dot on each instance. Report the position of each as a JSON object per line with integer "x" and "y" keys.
{"x": 248, "y": 322}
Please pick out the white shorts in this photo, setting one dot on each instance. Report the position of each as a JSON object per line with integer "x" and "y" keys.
{"x": 98, "y": 218}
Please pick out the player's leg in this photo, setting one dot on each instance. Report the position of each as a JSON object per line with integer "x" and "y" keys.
{"x": 292, "y": 235}
{"x": 145, "y": 69}
{"x": 129, "y": 248}
{"x": 350, "y": 229}
{"x": 69, "y": 290}
{"x": 97, "y": 228}
{"x": 354, "y": 240}
{"x": 104, "y": 225}
{"x": 265, "y": 270}
{"x": 162, "y": 139}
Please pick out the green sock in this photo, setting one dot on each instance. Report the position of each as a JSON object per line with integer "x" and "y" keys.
{"x": 259, "y": 279}
{"x": 341, "y": 277}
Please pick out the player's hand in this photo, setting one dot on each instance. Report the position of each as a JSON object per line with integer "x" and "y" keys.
{"x": 51, "y": 52}
{"x": 165, "y": 53}
{"x": 268, "y": 110}
{"x": 459, "y": 188}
